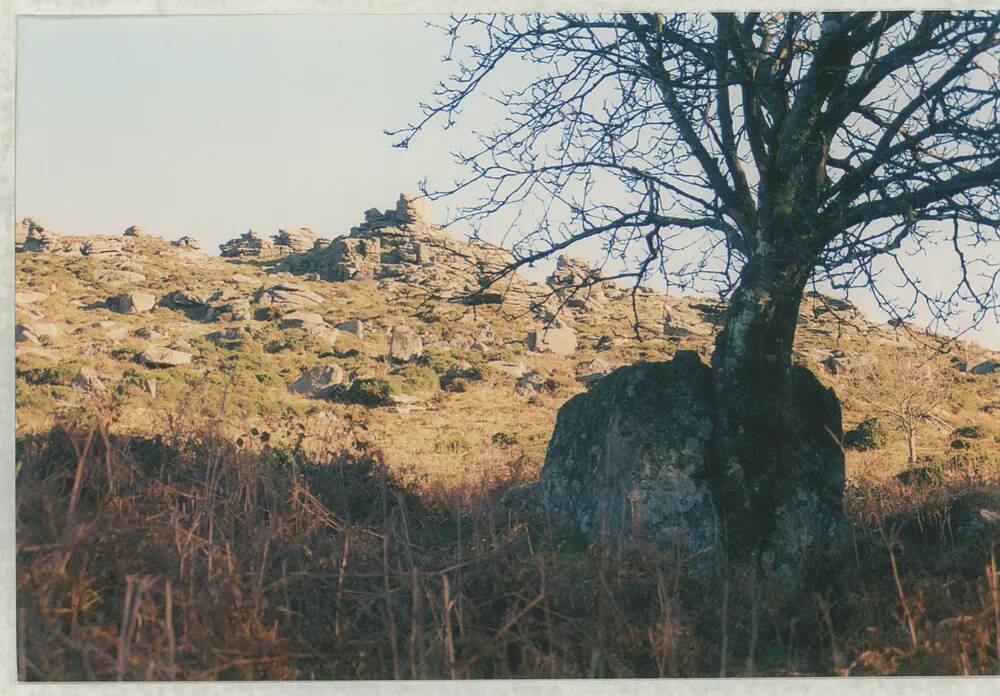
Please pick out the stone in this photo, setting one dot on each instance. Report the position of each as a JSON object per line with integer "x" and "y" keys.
{"x": 632, "y": 456}
{"x": 353, "y": 326}
{"x": 405, "y": 344}
{"x": 412, "y": 209}
{"x": 986, "y": 367}
{"x": 134, "y": 302}
{"x": 297, "y": 241}
{"x": 289, "y": 295}
{"x": 156, "y": 356}
{"x": 23, "y": 334}
{"x": 249, "y": 244}
{"x": 89, "y": 381}
{"x": 299, "y": 319}
{"x": 560, "y": 340}
{"x": 187, "y": 242}
{"x": 102, "y": 247}
{"x": 28, "y": 297}
{"x": 135, "y": 231}
{"x": 512, "y": 369}
{"x": 318, "y": 382}
{"x": 191, "y": 298}
{"x": 116, "y": 276}
{"x": 592, "y": 371}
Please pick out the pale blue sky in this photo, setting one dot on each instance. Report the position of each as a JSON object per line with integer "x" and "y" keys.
{"x": 209, "y": 126}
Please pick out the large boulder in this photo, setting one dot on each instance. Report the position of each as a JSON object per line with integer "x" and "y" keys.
{"x": 632, "y": 456}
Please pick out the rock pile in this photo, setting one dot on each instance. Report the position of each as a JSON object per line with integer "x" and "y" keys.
{"x": 187, "y": 242}
{"x": 38, "y": 238}
{"x": 135, "y": 231}
{"x": 296, "y": 241}
{"x": 248, "y": 244}
{"x": 251, "y": 244}
{"x": 102, "y": 247}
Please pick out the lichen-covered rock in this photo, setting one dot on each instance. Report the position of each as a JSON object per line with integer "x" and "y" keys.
{"x": 134, "y": 302}
{"x": 289, "y": 295}
{"x": 632, "y": 458}
{"x": 318, "y": 382}
{"x": 156, "y": 356}
{"x": 88, "y": 380}
{"x": 405, "y": 344}
{"x": 187, "y": 242}
{"x": 560, "y": 340}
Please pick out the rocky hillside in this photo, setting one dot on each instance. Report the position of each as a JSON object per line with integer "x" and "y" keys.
{"x": 387, "y": 336}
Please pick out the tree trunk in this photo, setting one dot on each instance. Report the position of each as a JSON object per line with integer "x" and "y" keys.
{"x": 911, "y": 443}
{"x": 754, "y": 436}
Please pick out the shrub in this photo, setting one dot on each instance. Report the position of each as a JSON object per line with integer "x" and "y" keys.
{"x": 372, "y": 391}
{"x": 61, "y": 375}
{"x": 972, "y": 432}
{"x": 869, "y": 434}
{"x": 414, "y": 379}
{"x": 931, "y": 474}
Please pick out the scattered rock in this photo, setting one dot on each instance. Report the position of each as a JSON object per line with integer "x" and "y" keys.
{"x": 299, "y": 319}
{"x": 102, "y": 247}
{"x": 553, "y": 339}
{"x": 88, "y": 380}
{"x": 23, "y": 334}
{"x": 297, "y": 241}
{"x": 318, "y": 382}
{"x": 513, "y": 369}
{"x": 592, "y": 370}
{"x": 405, "y": 344}
{"x": 987, "y": 367}
{"x": 133, "y": 302}
{"x": 187, "y": 242}
{"x": 289, "y": 295}
{"x": 249, "y": 244}
{"x": 28, "y": 297}
{"x": 156, "y": 356}
{"x": 353, "y": 326}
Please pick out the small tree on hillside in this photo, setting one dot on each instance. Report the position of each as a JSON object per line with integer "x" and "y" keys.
{"x": 762, "y": 151}
{"x": 906, "y": 389}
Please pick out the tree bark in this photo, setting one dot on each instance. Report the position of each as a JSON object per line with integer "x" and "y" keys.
{"x": 751, "y": 366}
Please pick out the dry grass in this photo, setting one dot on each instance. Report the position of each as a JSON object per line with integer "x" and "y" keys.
{"x": 189, "y": 557}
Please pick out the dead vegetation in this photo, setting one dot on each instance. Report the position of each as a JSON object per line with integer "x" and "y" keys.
{"x": 188, "y": 556}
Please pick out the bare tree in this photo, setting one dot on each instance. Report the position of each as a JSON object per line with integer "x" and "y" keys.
{"x": 907, "y": 389}
{"x": 761, "y": 151}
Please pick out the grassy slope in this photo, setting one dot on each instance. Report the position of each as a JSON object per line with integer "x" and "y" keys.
{"x": 274, "y": 570}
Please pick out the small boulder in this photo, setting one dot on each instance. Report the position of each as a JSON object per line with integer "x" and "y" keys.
{"x": 134, "y": 302}
{"x": 353, "y": 326}
{"x": 23, "y": 334}
{"x": 156, "y": 356}
{"x": 135, "y": 231}
{"x": 300, "y": 319}
{"x": 987, "y": 367}
{"x": 553, "y": 339}
{"x": 318, "y": 382}
{"x": 512, "y": 369}
{"x": 405, "y": 344}
{"x": 89, "y": 381}
{"x": 187, "y": 242}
